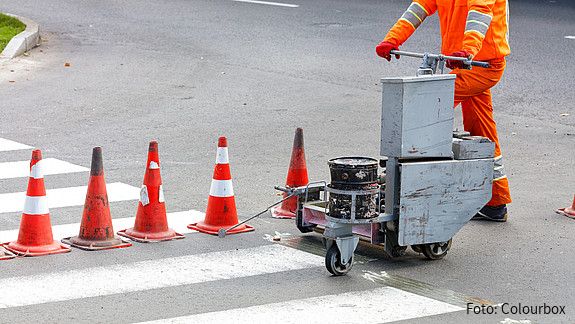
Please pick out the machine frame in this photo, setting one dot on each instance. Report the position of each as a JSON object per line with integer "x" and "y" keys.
{"x": 433, "y": 181}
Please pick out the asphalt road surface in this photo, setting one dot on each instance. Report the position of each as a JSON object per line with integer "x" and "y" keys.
{"x": 186, "y": 72}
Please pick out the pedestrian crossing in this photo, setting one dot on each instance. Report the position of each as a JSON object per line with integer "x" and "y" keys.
{"x": 372, "y": 302}
{"x": 377, "y": 304}
{"x": 143, "y": 275}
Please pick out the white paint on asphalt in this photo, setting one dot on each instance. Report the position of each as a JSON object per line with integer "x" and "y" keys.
{"x": 381, "y": 305}
{"x": 8, "y": 145}
{"x": 21, "y": 169}
{"x": 570, "y": 37}
{"x": 70, "y": 196}
{"x": 269, "y": 3}
{"x": 153, "y": 274}
{"x": 178, "y": 221}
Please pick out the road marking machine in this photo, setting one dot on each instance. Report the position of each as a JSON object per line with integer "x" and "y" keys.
{"x": 432, "y": 180}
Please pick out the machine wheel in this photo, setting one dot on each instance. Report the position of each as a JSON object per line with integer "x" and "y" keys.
{"x": 333, "y": 262}
{"x": 436, "y": 251}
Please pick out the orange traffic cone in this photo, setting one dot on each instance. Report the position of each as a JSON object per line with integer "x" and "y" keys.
{"x": 568, "y": 211}
{"x": 221, "y": 211}
{"x": 35, "y": 236}
{"x": 297, "y": 177}
{"x": 96, "y": 230}
{"x": 151, "y": 220}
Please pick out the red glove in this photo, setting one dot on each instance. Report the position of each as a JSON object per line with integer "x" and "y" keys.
{"x": 458, "y": 64}
{"x": 384, "y": 50}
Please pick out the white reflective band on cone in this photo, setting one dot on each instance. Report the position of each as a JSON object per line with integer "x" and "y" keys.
{"x": 161, "y": 194}
{"x": 144, "y": 199}
{"x": 221, "y": 188}
{"x": 36, "y": 205}
{"x": 154, "y": 165}
{"x": 36, "y": 170}
{"x": 222, "y": 156}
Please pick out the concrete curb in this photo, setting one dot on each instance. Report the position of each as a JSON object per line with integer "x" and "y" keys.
{"x": 23, "y": 42}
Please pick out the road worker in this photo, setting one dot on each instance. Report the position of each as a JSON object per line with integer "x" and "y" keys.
{"x": 475, "y": 29}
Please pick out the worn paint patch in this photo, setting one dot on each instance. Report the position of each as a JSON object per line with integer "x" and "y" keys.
{"x": 144, "y": 198}
{"x": 423, "y": 289}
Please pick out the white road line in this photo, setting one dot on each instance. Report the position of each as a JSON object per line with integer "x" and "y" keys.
{"x": 21, "y": 169}
{"x": 269, "y": 3}
{"x": 70, "y": 196}
{"x": 381, "y": 305}
{"x": 152, "y": 274}
{"x": 178, "y": 221}
{"x": 570, "y": 37}
{"x": 8, "y": 145}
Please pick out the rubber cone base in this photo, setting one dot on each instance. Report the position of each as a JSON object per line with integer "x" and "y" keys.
{"x": 31, "y": 251}
{"x": 5, "y": 254}
{"x": 278, "y": 212}
{"x": 143, "y": 237}
{"x": 569, "y": 212}
{"x": 88, "y": 245}
{"x": 210, "y": 229}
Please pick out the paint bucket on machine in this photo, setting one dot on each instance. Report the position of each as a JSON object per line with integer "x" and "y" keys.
{"x": 354, "y": 188}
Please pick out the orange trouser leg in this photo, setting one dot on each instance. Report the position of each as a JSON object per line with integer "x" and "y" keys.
{"x": 472, "y": 91}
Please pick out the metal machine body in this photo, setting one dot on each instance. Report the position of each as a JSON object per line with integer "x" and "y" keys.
{"x": 434, "y": 181}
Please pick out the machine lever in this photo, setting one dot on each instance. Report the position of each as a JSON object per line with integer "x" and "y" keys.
{"x": 222, "y": 232}
{"x": 441, "y": 57}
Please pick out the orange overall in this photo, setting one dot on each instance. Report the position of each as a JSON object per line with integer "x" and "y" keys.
{"x": 478, "y": 27}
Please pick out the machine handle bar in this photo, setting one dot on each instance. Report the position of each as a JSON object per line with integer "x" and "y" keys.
{"x": 442, "y": 57}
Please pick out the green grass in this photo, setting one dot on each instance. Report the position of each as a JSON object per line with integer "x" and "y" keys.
{"x": 9, "y": 27}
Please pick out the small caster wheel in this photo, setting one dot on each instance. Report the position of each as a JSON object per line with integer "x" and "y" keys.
{"x": 417, "y": 248}
{"x": 436, "y": 251}
{"x": 333, "y": 262}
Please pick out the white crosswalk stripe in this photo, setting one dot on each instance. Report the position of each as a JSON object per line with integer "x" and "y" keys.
{"x": 50, "y": 166}
{"x": 8, "y": 145}
{"x": 129, "y": 277}
{"x": 380, "y": 305}
{"x": 67, "y": 197}
{"x": 177, "y": 221}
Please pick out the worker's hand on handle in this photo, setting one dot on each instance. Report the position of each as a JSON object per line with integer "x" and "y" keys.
{"x": 459, "y": 64}
{"x": 384, "y": 50}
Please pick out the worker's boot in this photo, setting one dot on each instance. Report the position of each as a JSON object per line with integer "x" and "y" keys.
{"x": 492, "y": 213}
